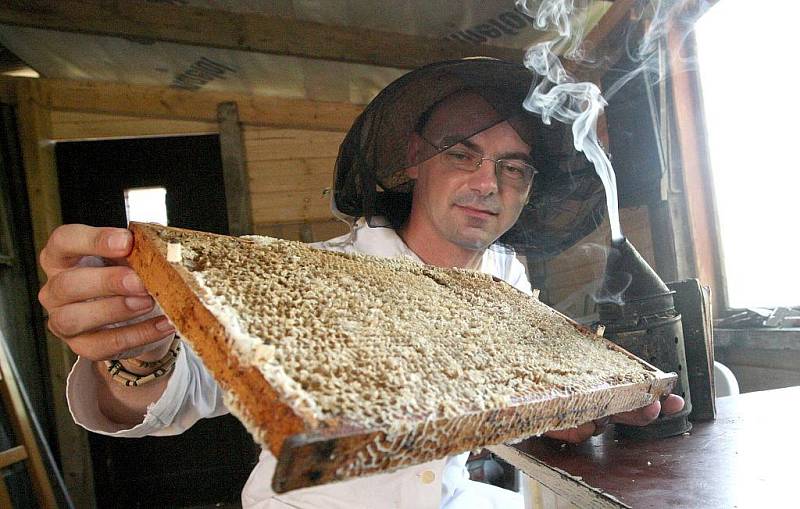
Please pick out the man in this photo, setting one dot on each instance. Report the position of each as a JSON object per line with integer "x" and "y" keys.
{"x": 440, "y": 165}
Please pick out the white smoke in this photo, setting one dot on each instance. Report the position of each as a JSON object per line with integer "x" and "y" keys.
{"x": 558, "y": 95}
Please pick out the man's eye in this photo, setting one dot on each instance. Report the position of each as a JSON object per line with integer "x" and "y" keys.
{"x": 460, "y": 155}
{"x": 511, "y": 168}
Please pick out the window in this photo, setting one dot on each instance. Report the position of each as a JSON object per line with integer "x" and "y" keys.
{"x": 146, "y": 205}
{"x": 746, "y": 56}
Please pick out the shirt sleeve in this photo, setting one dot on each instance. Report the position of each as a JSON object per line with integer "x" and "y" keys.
{"x": 191, "y": 395}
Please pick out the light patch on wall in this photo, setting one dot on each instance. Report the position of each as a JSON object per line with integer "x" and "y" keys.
{"x": 22, "y": 72}
{"x": 146, "y": 205}
{"x": 751, "y": 108}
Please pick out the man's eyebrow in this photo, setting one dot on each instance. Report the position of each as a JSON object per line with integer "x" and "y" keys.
{"x": 524, "y": 156}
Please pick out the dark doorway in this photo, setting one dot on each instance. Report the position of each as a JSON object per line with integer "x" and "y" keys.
{"x": 209, "y": 463}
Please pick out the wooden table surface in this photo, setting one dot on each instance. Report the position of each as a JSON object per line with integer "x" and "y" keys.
{"x": 747, "y": 457}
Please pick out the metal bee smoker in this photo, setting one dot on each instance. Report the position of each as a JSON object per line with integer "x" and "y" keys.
{"x": 638, "y": 312}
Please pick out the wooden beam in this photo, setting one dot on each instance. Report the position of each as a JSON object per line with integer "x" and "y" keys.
{"x": 234, "y": 171}
{"x": 13, "y": 455}
{"x": 610, "y": 22}
{"x": 81, "y": 126}
{"x": 243, "y": 32}
{"x": 698, "y": 189}
{"x": 570, "y": 488}
{"x": 40, "y": 169}
{"x": 605, "y": 44}
{"x": 38, "y": 156}
{"x": 170, "y": 103}
{"x": 602, "y": 36}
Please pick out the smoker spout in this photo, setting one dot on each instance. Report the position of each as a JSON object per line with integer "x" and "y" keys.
{"x": 630, "y": 287}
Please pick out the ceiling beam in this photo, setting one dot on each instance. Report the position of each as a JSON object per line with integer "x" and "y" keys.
{"x": 607, "y": 37}
{"x": 602, "y": 36}
{"x": 148, "y": 21}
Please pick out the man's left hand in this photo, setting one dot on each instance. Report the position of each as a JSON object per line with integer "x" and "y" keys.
{"x": 639, "y": 417}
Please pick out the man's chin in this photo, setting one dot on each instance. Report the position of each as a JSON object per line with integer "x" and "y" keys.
{"x": 475, "y": 242}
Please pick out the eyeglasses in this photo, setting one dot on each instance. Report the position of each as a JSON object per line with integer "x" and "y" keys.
{"x": 514, "y": 172}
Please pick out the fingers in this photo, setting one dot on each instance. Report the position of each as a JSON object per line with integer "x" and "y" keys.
{"x": 82, "y": 284}
{"x": 68, "y": 243}
{"x": 73, "y": 319}
{"x": 639, "y": 417}
{"x": 573, "y": 435}
{"x": 672, "y": 404}
{"x": 645, "y": 415}
{"x": 82, "y": 300}
{"x": 109, "y": 343}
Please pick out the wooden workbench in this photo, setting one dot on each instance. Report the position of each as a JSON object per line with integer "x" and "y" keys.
{"x": 747, "y": 457}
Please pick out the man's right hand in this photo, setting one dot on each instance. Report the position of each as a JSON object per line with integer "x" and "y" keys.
{"x": 89, "y": 288}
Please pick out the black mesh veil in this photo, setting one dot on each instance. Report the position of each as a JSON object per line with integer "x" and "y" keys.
{"x": 567, "y": 198}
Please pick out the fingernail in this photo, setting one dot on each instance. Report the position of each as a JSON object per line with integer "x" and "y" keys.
{"x": 138, "y": 303}
{"x": 163, "y": 325}
{"x": 132, "y": 283}
{"x": 119, "y": 241}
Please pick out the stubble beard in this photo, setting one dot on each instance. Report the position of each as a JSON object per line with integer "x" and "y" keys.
{"x": 470, "y": 232}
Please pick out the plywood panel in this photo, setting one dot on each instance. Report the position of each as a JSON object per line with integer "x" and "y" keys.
{"x": 174, "y": 104}
{"x": 289, "y": 169}
{"x": 306, "y": 232}
{"x": 269, "y": 144}
{"x": 74, "y": 125}
{"x": 312, "y": 175}
{"x": 282, "y": 207}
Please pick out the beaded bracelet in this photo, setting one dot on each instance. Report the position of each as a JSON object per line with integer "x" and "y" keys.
{"x": 124, "y": 377}
{"x": 172, "y": 352}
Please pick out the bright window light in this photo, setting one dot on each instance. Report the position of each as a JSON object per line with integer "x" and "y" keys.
{"x": 146, "y": 205}
{"x": 745, "y": 60}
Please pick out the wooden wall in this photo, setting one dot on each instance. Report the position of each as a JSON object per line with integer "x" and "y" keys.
{"x": 289, "y": 172}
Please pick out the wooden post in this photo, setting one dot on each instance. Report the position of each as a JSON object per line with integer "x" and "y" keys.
{"x": 697, "y": 183}
{"x": 38, "y": 156}
{"x": 237, "y": 188}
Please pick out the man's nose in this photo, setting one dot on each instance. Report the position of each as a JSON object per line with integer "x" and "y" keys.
{"x": 484, "y": 178}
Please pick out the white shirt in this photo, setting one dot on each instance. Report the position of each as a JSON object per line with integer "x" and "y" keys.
{"x": 192, "y": 394}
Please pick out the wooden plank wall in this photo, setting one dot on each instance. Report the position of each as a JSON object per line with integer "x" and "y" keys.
{"x": 290, "y": 170}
